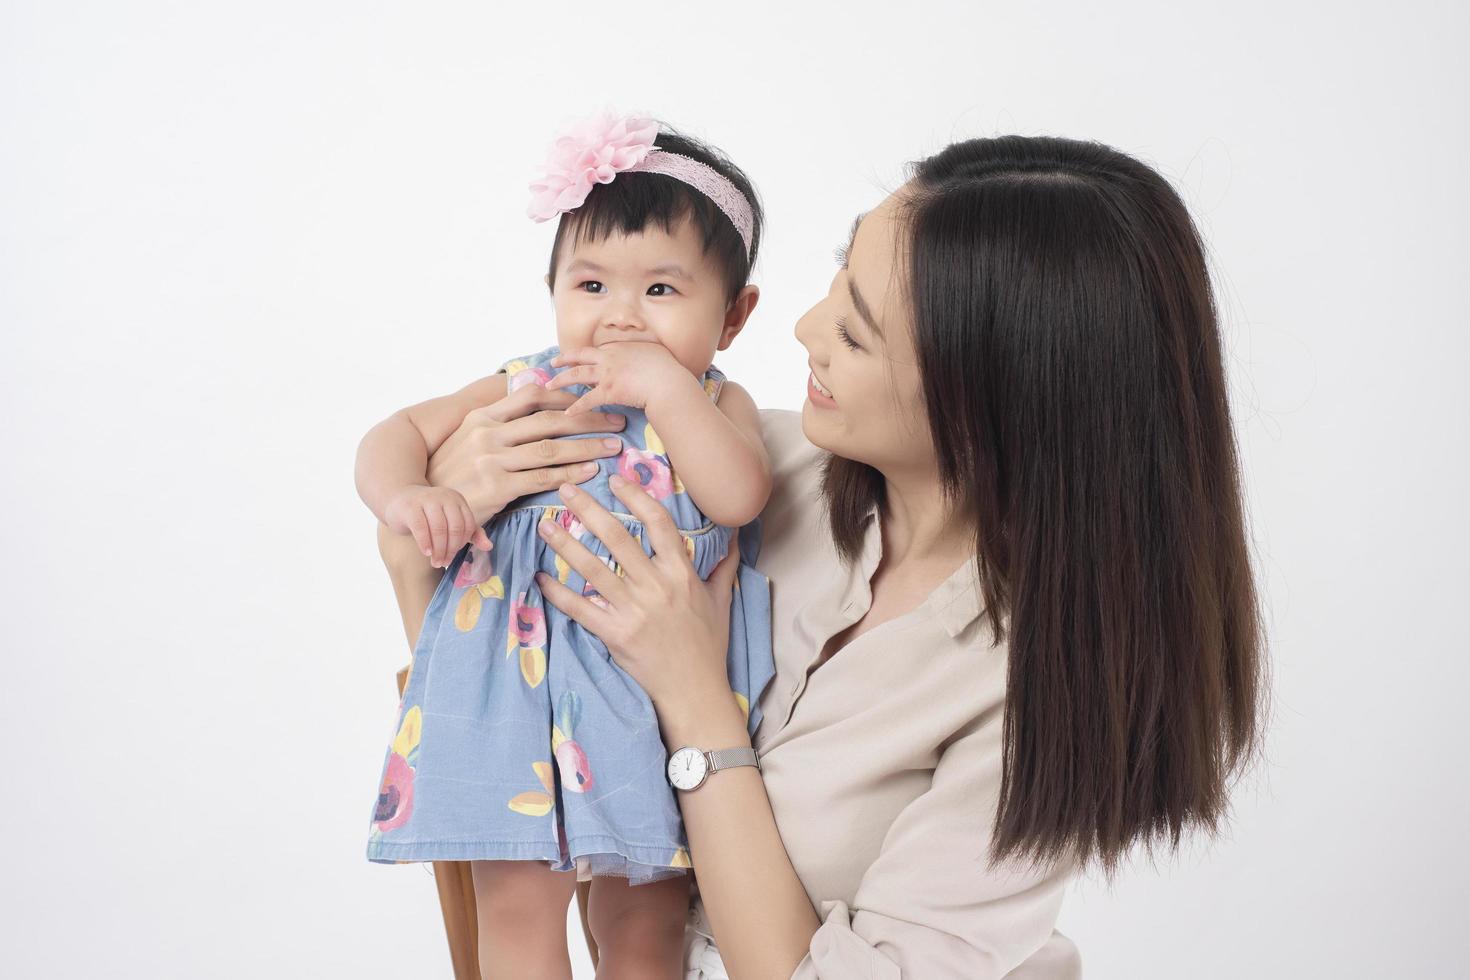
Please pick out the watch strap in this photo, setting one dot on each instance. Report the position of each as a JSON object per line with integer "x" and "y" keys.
{"x": 727, "y": 758}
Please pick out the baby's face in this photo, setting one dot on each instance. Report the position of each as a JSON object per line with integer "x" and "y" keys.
{"x": 652, "y": 286}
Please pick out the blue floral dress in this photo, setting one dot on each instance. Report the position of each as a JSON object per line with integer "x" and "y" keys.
{"x": 518, "y": 737}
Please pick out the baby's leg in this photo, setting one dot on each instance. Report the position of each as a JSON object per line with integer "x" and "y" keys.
{"x": 639, "y": 930}
{"x": 521, "y": 907}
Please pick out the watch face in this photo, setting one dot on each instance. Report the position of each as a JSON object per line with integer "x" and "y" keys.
{"x": 687, "y": 768}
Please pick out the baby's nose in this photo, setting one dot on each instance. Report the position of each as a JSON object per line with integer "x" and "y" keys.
{"x": 624, "y": 321}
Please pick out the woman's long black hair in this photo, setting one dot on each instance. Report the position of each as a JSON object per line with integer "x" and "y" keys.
{"x": 1069, "y": 350}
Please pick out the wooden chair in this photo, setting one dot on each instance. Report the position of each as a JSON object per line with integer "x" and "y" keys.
{"x": 457, "y": 903}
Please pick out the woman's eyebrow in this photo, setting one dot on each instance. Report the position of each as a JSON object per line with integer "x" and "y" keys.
{"x": 862, "y": 308}
{"x": 858, "y": 302}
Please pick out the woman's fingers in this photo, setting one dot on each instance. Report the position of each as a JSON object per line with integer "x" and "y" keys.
{"x": 597, "y": 621}
{"x": 553, "y": 422}
{"x": 523, "y": 482}
{"x": 586, "y": 564}
{"x": 519, "y": 403}
{"x": 722, "y": 579}
{"x": 560, "y": 452}
{"x": 626, "y": 551}
{"x": 662, "y": 533}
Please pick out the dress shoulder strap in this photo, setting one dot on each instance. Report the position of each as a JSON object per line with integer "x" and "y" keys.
{"x": 529, "y": 368}
{"x": 714, "y": 379}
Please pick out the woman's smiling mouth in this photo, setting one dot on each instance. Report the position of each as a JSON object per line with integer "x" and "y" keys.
{"x": 818, "y": 393}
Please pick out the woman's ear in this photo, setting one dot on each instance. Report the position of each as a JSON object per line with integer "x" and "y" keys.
{"x": 737, "y": 314}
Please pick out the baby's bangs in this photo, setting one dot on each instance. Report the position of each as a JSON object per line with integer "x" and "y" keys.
{"x": 631, "y": 204}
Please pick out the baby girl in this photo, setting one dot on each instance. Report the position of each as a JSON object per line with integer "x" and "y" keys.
{"x": 520, "y": 744}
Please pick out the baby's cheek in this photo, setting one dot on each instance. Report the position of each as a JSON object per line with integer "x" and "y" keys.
{"x": 692, "y": 348}
{"x": 572, "y": 332}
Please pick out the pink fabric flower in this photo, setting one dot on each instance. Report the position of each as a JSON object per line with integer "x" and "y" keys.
{"x": 477, "y": 569}
{"x": 395, "y": 797}
{"x": 576, "y": 771}
{"x": 594, "y": 151}
{"x": 527, "y": 623}
{"x": 569, "y": 520}
{"x": 648, "y": 470}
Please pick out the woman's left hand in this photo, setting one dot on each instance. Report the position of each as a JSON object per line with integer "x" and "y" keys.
{"x": 663, "y": 625}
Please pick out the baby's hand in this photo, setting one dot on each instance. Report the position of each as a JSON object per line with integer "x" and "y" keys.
{"x": 629, "y": 372}
{"x": 439, "y": 519}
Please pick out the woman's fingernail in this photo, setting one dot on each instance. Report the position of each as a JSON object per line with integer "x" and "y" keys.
{"x": 612, "y": 443}
{"x": 615, "y": 481}
{"x": 543, "y": 528}
{"x": 588, "y": 468}
{"x": 567, "y": 491}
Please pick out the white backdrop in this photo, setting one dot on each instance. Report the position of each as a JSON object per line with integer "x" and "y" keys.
{"x": 235, "y": 235}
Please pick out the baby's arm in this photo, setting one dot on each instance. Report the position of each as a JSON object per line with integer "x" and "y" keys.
{"x": 717, "y": 451}
{"x": 393, "y": 460}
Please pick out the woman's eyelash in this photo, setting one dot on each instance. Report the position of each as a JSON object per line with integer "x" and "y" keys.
{"x": 844, "y": 336}
{"x": 841, "y": 255}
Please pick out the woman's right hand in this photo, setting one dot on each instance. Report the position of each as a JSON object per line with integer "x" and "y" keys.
{"x": 509, "y": 448}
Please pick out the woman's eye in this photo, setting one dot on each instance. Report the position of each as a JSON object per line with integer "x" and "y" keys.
{"x": 591, "y": 286}
{"x": 661, "y": 289}
{"x": 846, "y": 337}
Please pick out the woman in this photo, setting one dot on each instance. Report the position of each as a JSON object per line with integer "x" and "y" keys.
{"x": 1015, "y": 624}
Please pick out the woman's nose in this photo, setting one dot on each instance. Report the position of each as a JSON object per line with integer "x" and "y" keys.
{"x": 806, "y": 332}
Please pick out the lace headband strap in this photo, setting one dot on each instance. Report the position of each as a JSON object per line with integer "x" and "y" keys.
{"x": 596, "y": 150}
{"x": 705, "y": 179}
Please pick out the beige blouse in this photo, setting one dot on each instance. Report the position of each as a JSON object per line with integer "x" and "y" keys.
{"x": 883, "y": 766}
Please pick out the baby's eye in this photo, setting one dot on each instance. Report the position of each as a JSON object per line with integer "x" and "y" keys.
{"x": 661, "y": 289}
{"x": 591, "y": 286}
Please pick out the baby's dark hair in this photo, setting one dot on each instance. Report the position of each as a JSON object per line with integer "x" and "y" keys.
{"x": 634, "y": 201}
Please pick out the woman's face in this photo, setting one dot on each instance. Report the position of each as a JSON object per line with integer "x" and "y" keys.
{"x": 864, "y": 400}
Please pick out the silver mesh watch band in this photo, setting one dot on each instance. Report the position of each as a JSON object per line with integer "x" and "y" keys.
{"x": 726, "y": 758}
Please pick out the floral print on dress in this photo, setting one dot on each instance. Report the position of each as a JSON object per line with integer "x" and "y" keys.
{"x": 395, "y": 795}
{"x": 596, "y": 797}
{"x": 477, "y": 577}
{"x": 576, "y": 771}
{"x": 649, "y": 470}
{"x": 528, "y": 632}
{"x": 526, "y": 378}
{"x": 534, "y": 803}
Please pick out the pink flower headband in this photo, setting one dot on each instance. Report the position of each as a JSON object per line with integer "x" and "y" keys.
{"x": 598, "y": 149}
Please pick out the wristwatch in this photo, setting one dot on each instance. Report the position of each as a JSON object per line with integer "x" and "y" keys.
{"x": 690, "y": 767}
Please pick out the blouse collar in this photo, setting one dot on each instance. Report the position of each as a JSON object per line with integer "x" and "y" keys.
{"x": 955, "y": 602}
